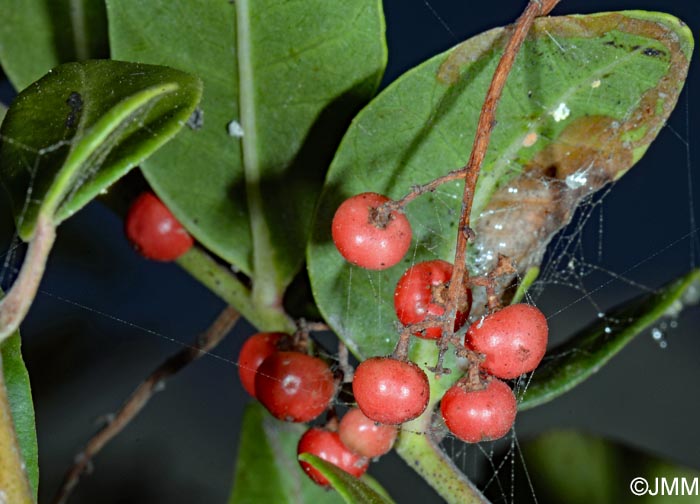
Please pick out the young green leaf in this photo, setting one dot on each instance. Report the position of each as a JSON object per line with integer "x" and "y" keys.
{"x": 74, "y": 132}
{"x": 282, "y": 81}
{"x": 266, "y": 467}
{"x": 38, "y": 35}
{"x": 68, "y": 137}
{"x": 585, "y": 98}
{"x": 352, "y": 490}
{"x": 585, "y": 353}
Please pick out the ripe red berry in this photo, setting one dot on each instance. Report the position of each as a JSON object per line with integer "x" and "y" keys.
{"x": 153, "y": 230}
{"x": 363, "y": 242}
{"x": 365, "y": 436}
{"x": 480, "y": 415}
{"x": 513, "y": 340}
{"x": 422, "y": 292}
{"x": 254, "y": 351}
{"x": 328, "y": 446}
{"x": 390, "y": 391}
{"x": 294, "y": 386}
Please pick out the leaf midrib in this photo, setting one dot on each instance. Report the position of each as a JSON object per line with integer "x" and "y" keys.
{"x": 265, "y": 288}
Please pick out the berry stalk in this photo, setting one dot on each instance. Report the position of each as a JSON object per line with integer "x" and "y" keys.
{"x": 487, "y": 121}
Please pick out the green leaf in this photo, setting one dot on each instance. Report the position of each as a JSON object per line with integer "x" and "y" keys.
{"x": 70, "y": 135}
{"x": 267, "y": 469}
{"x": 530, "y": 276}
{"x": 567, "y": 466}
{"x": 353, "y": 490}
{"x": 19, "y": 394}
{"x": 37, "y": 35}
{"x": 585, "y": 98}
{"x": 585, "y": 353}
{"x": 291, "y": 75}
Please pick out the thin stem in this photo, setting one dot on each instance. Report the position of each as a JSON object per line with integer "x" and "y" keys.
{"x": 222, "y": 282}
{"x": 422, "y": 452}
{"x": 14, "y": 484}
{"x": 487, "y": 121}
{"x": 199, "y": 263}
{"x": 143, "y": 393}
{"x": 15, "y": 305}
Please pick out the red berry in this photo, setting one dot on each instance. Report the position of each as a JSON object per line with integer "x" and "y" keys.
{"x": 365, "y": 436}
{"x": 361, "y": 241}
{"x": 153, "y": 230}
{"x": 254, "y": 351}
{"x": 390, "y": 391}
{"x": 513, "y": 340}
{"x": 328, "y": 446}
{"x": 479, "y": 415}
{"x": 422, "y": 292}
{"x": 294, "y": 386}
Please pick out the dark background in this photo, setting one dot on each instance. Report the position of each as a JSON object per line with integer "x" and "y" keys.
{"x": 105, "y": 318}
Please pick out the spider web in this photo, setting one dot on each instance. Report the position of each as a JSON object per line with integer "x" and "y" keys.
{"x": 577, "y": 280}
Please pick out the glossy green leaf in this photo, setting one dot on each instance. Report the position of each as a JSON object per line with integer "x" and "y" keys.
{"x": 288, "y": 77}
{"x": 70, "y": 135}
{"x": 571, "y": 467}
{"x": 585, "y": 98}
{"x": 19, "y": 394}
{"x": 267, "y": 469}
{"x": 352, "y": 489}
{"x": 585, "y": 353}
{"x": 38, "y": 35}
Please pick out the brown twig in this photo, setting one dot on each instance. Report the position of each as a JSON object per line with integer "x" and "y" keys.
{"x": 489, "y": 282}
{"x": 487, "y": 121}
{"x": 143, "y": 393}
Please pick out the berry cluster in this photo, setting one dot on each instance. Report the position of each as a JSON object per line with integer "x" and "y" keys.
{"x": 370, "y": 232}
{"x": 294, "y": 386}
{"x": 297, "y": 387}
{"x": 512, "y": 341}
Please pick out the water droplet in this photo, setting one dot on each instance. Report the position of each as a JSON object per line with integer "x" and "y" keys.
{"x": 691, "y": 295}
{"x": 675, "y": 309}
{"x": 608, "y": 330}
{"x": 663, "y": 344}
{"x": 601, "y": 315}
{"x": 657, "y": 334}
